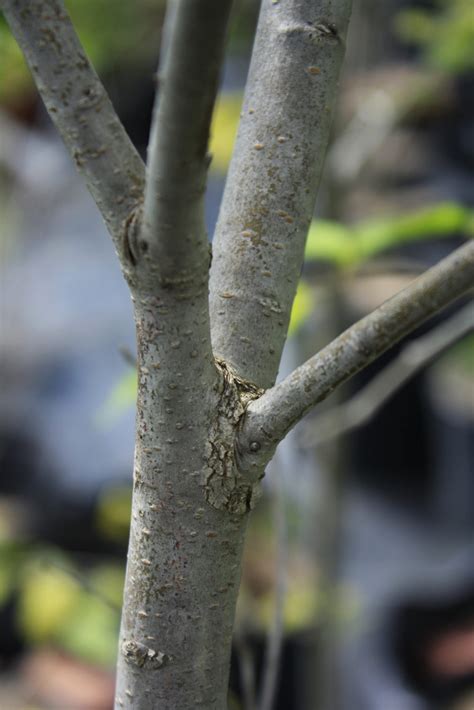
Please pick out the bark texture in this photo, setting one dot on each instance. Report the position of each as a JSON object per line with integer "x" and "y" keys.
{"x": 183, "y": 566}
{"x": 80, "y": 109}
{"x": 270, "y": 418}
{"x": 205, "y": 426}
{"x": 273, "y": 180}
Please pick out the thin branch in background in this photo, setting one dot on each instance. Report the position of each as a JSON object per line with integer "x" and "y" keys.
{"x": 246, "y": 669}
{"x": 366, "y": 403}
{"x": 270, "y": 417}
{"x": 128, "y": 356}
{"x": 386, "y": 266}
{"x": 79, "y": 107}
{"x": 274, "y": 642}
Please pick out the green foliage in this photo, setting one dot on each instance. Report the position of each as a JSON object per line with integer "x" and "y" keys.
{"x": 115, "y": 504}
{"x": 12, "y": 556}
{"x": 14, "y": 76}
{"x": 47, "y": 598}
{"x": 133, "y": 34}
{"x": 445, "y": 35}
{"x": 91, "y": 632}
{"x": 131, "y": 38}
{"x": 224, "y": 129}
{"x": 347, "y": 246}
{"x": 119, "y": 399}
{"x": 302, "y": 307}
{"x": 59, "y": 605}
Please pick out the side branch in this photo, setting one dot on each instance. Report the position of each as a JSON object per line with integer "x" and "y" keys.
{"x": 173, "y": 223}
{"x": 79, "y": 107}
{"x": 416, "y": 355}
{"x": 273, "y": 180}
{"x": 280, "y": 408}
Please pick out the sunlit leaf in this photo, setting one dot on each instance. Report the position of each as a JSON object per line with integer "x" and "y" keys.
{"x": 109, "y": 579}
{"x": 302, "y": 307}
{"x": 91, "y": 633}
{"x": 431, "y": 222}
{"x": 349, "y": 245}
{"x": 223, "y": 129}
{"x": 444, "y": 32}
{"x": 331, "y": 241}
{"x": 121, "y": 397}
{"x": 46, "y": 603}
{"x": 12, "y": 557}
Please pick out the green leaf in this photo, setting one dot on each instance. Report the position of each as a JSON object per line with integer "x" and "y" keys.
{"x": 91, "y": 633}
{"x": 13, "y": 555}
{"x": 349, "y": 245}
{"x": 224, "y": 129}
{"x": 444, "y": 33}
{"x": 331, "y": 241}
{"x": 302, "y": 307}
{"x": 47, "y": 600}
{"x": 113, "y": 512}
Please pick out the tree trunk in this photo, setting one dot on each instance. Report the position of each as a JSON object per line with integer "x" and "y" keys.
{"x": 205, "y": 426}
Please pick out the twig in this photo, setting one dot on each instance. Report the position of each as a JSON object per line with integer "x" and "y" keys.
{"x": 246, "y": 670}
{"x": 79, "y": 107}
{"x": 366, "y": 403}
{"x": 275, "y": 633}
{"x": 129, "y": 357}
{"x": 271, "y": 416}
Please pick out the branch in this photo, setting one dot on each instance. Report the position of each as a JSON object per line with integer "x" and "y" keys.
{"x": 273, "y": 179}
{"x": 271, "y": 416}
{"x": 79, "y": 107}
{"x": 274, "y": 642}
{"x": 246, "y": 664}
{"x": 413, "y": 358}
{"x": 174, "y": 233}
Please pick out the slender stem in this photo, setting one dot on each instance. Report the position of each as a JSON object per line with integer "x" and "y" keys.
{"x": 80, "y": 108}
{"x": 274, "y": 643}
{"x": 173, "y": 223}
{"x": 271, "y": 416}
{"x": 246, "y": 669}
{"x": 413, "y": 358}
{"x": 273, "y": 180}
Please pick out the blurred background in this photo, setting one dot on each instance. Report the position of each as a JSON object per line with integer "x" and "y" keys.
{"x": 358, "y": 582}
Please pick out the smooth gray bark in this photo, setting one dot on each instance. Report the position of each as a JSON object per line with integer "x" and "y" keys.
{"x": 183, "y": 566}
{"x": 197, "y": 462}
{"x": 80, "y": 109}
{"x": 273, "y": 179}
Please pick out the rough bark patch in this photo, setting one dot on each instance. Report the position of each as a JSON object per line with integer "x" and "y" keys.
{"x": 226, "y": 487}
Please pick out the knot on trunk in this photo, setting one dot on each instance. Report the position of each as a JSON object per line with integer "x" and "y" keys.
{"x": 227, "y": 487}
{"x": 137, "y": 654}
